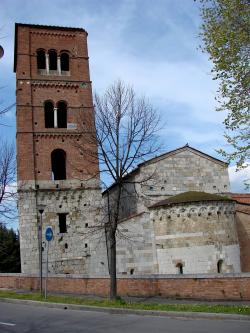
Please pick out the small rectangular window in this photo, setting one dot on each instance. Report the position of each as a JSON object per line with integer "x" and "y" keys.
{"x": 62, "y": 222}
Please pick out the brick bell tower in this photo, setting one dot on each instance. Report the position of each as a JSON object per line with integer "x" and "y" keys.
{"x": 54, "y": 94}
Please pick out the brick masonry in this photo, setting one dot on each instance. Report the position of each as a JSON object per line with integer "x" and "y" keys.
{"x": 204, "y": 287}
{"x": 79, "y": 195}
{"x": 243, "y": 228}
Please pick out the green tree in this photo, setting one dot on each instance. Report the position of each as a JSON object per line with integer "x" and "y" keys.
{"x": 9, "y": 251}
{"x": 225, "y": 32}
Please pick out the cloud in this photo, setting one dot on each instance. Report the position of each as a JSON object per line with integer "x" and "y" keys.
{"x": 153, "y": 47}
{"x": 239, "y": 178}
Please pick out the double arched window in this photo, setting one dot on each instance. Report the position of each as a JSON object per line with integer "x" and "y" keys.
{"x": 51, "y": 63}
{"x": 58, "y": 164}
{"x": 55, "y": 117}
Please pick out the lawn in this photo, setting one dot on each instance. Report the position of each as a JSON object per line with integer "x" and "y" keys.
{"x": 120, "y": 303}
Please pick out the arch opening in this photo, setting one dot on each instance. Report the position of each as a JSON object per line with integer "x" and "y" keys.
{"x": 52, "y": 60}
{"x": 180, "y": 268}
{"x": 64, "y": 61}
{"x": 58, "y": 164}
{"x": 49, "y": 114}
{"x": 62, "y": 114}
{"x": 219, "y": 266}
{"x": 40, "y": 57}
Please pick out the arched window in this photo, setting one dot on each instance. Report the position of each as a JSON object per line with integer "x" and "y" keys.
{"x": 49, "y": 114}
{"x": 62, "y": 114}
{"x": 219, "y": 266}
{"x": 180, "y": 268}
{"x": 64, "y": 61}
{"x": 52, "y": 60}
{"x": 40, "y": 57}
{"x": 58, "y": 164}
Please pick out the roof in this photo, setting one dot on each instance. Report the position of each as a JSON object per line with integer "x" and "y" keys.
{"x": 191, "y": 196}
{"x": 241, "y": 197}
{"x": 168, "y": 154}
{"x": 40, "y": 26}
{"x": 175, "y": 151}
{"x": 245, "y": 209}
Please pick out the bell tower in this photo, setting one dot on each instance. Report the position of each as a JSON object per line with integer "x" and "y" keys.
{"x": 53, "y": 97}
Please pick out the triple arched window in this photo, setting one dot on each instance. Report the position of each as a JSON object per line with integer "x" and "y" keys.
{"x": 52, "y": 63}
{"x": 55, "y": 116}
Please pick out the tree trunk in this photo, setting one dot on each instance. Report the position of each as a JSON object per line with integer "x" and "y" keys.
{"x": 113, "y": 282}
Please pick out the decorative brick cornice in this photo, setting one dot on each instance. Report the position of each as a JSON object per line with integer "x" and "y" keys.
{"x": 57, "y": 135}
{"x": 55, "y": 84}
{"x": 53, "y": 34}
{"x": 59, "y": 84}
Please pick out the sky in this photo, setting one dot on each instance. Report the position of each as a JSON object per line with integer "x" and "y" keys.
{"x": 152, "y": 45}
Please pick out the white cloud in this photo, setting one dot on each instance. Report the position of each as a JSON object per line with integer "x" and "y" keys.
{"x": 238, "y": 178}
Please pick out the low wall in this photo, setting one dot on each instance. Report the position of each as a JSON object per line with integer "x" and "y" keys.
{"x": 209, "y": 287}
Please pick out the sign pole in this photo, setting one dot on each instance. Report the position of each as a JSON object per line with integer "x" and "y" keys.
{"x": 49, "y": 237}
{"x": 46, "y": 277}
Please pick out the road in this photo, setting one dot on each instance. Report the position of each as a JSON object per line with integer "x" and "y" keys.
{"x": 32, "y": 319}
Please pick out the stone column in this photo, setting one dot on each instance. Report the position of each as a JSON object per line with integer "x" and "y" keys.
{"x": 59, "y": 65}
{"x": 47, "y": 62}
{"x": 55, "y": 117}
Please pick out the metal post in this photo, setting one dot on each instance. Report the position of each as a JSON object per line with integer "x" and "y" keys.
{"x": 40, "y": 230}
{"x": 40, "y": 252}
{"x": 47, "y": 268}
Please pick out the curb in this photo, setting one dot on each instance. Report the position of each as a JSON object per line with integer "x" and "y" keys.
{"x": 171, "y": 314}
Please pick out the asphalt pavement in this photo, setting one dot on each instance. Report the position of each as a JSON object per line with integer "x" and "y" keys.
{"x": 23, "y": 318}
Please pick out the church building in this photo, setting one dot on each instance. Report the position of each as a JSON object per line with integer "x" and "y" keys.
{"x": 182, "y": 220}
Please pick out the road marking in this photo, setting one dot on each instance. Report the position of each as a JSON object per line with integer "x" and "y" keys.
{"x": 7, "y": 324}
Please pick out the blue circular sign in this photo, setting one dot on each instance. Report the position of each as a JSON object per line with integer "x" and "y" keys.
{"x": 49, "y": 234}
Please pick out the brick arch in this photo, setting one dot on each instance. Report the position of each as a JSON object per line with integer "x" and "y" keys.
{"x": 40, "y": 58}
{"x": 48, "y": 106}
{"x": 52, "y": 59}
{"x": 58, "y": 164}
{"x": 62, "y": 110}
{"x": 64, "y": 60}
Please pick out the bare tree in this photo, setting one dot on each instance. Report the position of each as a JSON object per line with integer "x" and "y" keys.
{"x": 7, "y": 181}
{"x": 125, "y": 133}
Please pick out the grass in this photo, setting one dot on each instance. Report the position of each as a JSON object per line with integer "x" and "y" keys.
{"x": 213, "y": 308}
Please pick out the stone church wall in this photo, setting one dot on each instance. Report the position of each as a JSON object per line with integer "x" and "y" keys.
{"x": 135, "y": 246}
{"x": 78, "y": 250}
{"x": 182, "y": 170}
{"x": 196, "y": 236}
{"x": 185, "y": 170}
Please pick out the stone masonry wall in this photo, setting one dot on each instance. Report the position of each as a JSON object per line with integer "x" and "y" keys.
{"x": 135, "y": 246}
{"x": 196, "y": 236}
{"x": 79, "y": 250}
{"x": 185, "y": 170}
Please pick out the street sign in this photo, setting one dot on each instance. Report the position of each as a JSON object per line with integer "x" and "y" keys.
{"x": 48, "y": 234}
